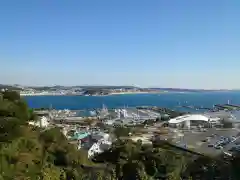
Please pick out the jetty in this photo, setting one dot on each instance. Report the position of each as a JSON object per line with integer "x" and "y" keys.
{"x": 196, "y": 107}
{"x": 227, "y": 107}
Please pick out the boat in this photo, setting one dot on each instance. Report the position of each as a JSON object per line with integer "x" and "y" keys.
{"x": 92, "y": 113}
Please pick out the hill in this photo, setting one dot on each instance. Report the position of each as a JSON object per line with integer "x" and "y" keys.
{"x": 10, "y": 87}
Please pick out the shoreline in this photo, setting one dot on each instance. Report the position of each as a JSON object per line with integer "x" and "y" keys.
{"x": 142, "y": 92}
{"x": 110, "y": 94}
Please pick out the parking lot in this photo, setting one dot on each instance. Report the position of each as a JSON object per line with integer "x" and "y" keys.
{"x": 212, "y": 142}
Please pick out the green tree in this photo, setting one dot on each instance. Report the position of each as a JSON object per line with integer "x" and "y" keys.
{"x": 121, "y": 131}
{"x": 11, "y": 95}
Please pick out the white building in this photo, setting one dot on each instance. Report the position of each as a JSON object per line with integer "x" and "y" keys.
{"x": 99, "y": 147}
{"x": 193, "y": 119}
{"x": 42, "y": 122}
{"x": 124, "y": 113}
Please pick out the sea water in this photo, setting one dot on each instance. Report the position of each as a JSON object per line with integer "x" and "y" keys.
{"x": 168, "y": 100}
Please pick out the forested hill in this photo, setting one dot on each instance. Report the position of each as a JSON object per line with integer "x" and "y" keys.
{"x": 10, "y": 87}
{"x": 30, "y": 153}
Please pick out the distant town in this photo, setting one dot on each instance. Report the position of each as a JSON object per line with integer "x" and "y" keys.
{"x": 78, "y": 90}
{"x": 91, "y": 90}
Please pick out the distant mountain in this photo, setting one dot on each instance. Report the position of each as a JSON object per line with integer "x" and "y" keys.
{"x": 82, "y": 87}
{"x": 42, "y": 88}
{"x": 105, "y": 87}
{"x": 46, "y": 88}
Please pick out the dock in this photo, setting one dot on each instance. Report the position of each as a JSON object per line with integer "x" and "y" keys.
{"x": 219, "y": 106}
{"x": 232, "y": 105}
{"x": 227, "y": 106}
{"x": 189, "y": 107}
{"x": 196, "y": 107}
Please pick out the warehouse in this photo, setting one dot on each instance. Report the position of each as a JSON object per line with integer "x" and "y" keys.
{"x": 193, "y": 120}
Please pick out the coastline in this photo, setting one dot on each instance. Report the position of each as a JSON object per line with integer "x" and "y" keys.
{"x": 50, "y": 94}
{"x": 110, "y": 94}
{"x": 141, "y": 92}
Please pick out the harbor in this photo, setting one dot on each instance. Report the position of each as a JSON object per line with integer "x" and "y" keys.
{"x": 215, "y": 107}
{"x": 200, "y": 129}
{"x": 139, "y": 113}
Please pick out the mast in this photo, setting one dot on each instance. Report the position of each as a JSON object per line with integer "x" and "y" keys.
{"x": 49, "y": 113}
{"x": 138, "y": 114}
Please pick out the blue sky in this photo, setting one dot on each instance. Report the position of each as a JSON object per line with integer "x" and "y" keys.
{"x": 156, "y": 43}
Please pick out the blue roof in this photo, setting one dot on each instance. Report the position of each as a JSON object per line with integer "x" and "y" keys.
{"x": 80, "y": 135}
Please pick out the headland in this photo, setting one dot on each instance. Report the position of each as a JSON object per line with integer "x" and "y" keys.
{"x": 84, "y": 91}
{"x": 92, "y": 90}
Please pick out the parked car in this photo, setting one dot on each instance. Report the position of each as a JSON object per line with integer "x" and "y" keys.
{"x": 218, "y": 147}
{"x": 233, "y": 138}
{"x": 210, "y": 145}
{"x": 213, "y": 135}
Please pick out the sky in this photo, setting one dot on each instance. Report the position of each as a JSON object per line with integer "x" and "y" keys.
{"x": 156, "y": 43}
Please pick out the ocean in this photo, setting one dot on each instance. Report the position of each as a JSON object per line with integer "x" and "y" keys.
{"x": 168, "y": 100}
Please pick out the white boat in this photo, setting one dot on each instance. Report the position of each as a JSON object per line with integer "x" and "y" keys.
{"x": 92, "y": 113}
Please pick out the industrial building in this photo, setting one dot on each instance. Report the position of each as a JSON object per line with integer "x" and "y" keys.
{"x": 193, "y": 120}
{"x": 135, "y": 114}
{"x": 130, "y": 116}
{"x": 208, "y": 119}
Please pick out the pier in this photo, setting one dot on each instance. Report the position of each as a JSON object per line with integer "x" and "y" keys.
{"x": 227, "y": 107}
{"x": 232, "y": 105}
{"x": 196, "y": 107}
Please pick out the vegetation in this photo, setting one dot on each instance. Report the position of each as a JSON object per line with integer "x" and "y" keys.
{"x": 27, "y": 152}
{"x": 12, "y": 88}
{"x": 96, "y": 92}
{"x": 136, "y": 161}
{"x": 30, "y": 153}
{"x": 41, "y": 109}
{"x": 121, "y": 131}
